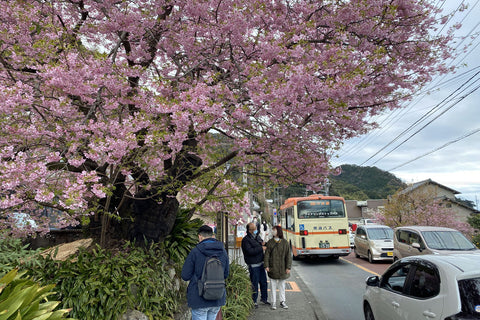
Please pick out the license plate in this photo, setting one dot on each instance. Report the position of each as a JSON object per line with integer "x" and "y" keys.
{"x": 390, "y": 254}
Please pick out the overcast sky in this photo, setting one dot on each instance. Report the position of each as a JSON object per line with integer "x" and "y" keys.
{"x": 437, "y": 135}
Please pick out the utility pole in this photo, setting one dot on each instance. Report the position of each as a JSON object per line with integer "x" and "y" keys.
{"x": 327, "y": 186}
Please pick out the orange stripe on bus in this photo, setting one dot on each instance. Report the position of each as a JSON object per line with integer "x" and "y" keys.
{"x": 313, "y": 233}
{"x": 295, "y": 249}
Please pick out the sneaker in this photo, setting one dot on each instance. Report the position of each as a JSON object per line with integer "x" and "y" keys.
{"x": 266, "y": 302}
{"x": 274, "y": 307}
{"x": 283, "y": 305}
{"x": 256, "y": 305}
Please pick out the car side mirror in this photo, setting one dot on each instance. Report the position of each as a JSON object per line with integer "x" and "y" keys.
{"x": 416, "y": 245}
{"x": 363, "y": 236}
{"x": 373, "y": 281}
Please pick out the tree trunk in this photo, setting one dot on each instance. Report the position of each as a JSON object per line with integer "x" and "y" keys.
{"x": 153, "y": 220}
{"x": 155, "y": 210}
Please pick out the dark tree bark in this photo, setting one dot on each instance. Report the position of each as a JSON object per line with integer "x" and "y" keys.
{"x": 153, "y": 220}
{"x": 155, "y": 210}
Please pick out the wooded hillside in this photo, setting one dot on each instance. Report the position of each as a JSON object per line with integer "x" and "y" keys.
{"x": 362, "y": 183}
{"x": 355, "y": 183}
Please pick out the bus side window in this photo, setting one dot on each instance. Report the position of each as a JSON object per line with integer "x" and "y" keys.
{"x": 290, "y": 221}
{"x": 281, "y": 219}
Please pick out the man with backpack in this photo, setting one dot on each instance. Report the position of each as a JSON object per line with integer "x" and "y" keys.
{"x": 206, "y": 267}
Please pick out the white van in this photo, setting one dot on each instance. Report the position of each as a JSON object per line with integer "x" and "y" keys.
{"x": 419, "y": 240}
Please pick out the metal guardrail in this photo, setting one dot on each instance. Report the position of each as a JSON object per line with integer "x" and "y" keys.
{"x": 236, "y": 255}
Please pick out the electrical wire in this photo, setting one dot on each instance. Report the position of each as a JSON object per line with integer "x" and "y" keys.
{"x": 423, "y": 127}
{"x": 418, "y": 121}
{"x": 436, "y": 149}
{"x": 388, "y": 121}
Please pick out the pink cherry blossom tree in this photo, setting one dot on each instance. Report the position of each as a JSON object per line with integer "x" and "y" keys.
{"x": 421, "y": 209}
{"x": 110, "y": 108}
{"x": 227, "y": 197}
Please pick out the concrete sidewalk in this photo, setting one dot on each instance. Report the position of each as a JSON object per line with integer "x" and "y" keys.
{"x": 300, "y": 301}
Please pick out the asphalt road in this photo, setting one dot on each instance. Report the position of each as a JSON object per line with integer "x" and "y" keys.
{"x": 338, "y": 285}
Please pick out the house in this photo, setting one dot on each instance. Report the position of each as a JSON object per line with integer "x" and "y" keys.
{"x": 442, "y": 193}
{"x": 357, "y": 210}
{"x": 364, "y": 209}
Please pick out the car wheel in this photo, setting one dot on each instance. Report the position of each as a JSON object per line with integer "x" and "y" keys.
{"x": 356, "y": 254}
{"x": 367, "y": 311}
{"x": 370, "y": 257}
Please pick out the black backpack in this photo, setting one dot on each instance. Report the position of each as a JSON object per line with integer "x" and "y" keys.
{"x": 211, "y": 286}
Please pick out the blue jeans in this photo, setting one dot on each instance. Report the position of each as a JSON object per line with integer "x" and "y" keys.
{"x": 209, "y": 313}
{"x": 258, "y": 275}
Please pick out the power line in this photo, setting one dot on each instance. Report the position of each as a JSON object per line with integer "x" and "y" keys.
{"x": 424, "y": 117}
{"x": 385, "y": 125}
{"x": 436, "y": 149}
{"x": 391, "y": 118}
{"x": 386, "y": 121}
{"x": 443, "y": 112}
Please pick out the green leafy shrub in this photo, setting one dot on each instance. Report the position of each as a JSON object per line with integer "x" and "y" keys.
{"x": 22, "y": 298}
{"x": 102, "y": 284}
{"x": 476, "y": 240}
{"x": 14, "y": 253}
{"x": 239, "y": 294}
{"x": 474, "y": 221}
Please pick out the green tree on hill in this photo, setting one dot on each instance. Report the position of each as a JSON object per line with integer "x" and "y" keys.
{"x": 362, "y": 183}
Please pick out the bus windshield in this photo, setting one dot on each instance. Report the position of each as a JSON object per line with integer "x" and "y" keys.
{"x": 311, "y": 209}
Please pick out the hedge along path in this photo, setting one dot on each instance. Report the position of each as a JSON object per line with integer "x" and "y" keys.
{"x": 62, "y": 251}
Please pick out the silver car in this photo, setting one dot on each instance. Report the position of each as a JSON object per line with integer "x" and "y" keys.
{"x": 374, "y": 241}
{"x": 420, "y": 240}
{"x": 443, "y": 287}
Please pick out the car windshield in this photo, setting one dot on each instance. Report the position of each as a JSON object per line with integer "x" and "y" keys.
{"x": 380, "y": 233}
{"x": 447, "y": 240}
{"x": 470, "y": 295}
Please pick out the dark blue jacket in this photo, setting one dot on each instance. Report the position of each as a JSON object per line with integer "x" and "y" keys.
{"x": 193, "y": 268}
{"x": 252, "y": 249}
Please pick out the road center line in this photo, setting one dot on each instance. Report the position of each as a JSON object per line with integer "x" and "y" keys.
{"x": 360, "y": 267}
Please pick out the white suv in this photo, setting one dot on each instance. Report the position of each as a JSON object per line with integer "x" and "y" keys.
{"x": 444, "y": 287}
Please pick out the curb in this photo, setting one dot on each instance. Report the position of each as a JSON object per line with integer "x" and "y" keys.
{"x": 310, "y": 300}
